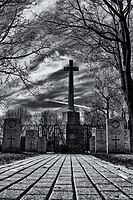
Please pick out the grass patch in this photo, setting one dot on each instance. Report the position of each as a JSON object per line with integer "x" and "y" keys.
{"x": 119, "y": 159}
{"x": 6, "y": 158}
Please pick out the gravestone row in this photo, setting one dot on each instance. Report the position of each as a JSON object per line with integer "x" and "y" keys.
{"x": 118, "y": 138}
{"x": 12, "y": 139}
{"x": 114, "y": 140}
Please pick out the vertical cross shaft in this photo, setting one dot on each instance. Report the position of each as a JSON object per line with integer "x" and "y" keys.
{"x": 71, "y": 84}
{"x": 71, "y": 89}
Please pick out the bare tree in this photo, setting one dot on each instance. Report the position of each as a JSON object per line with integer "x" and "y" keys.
{"x": 95, "y": 118}
{"x": 48, "y": 120}
{"x": 19, "y": 38}
{"x": 20, "y": 113}
{"x": 108, "y": 94}
{"x": 35, "y": 119}
{"x": 100, "y": 31}
{"x": 107, "y": 99}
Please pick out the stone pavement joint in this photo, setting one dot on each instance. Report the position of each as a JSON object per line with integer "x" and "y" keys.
{"x": 7, "y": 177}
{"x": 66, "y": 177}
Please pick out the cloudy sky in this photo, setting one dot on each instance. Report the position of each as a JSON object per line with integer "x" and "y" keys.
{"x": 52, "y": 86}
{"x": 51, "y": 82}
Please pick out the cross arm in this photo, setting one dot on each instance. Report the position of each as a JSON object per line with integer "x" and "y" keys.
{"x": 66, "y": 68}
{"x": 73, "y": 69}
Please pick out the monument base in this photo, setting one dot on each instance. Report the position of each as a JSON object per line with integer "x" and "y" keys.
{"x": 73, "y": 118}
{"x": 74, "y": 140}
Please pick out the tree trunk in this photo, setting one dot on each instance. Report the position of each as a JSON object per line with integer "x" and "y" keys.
{"x": 131, "y": 130}
{"x": 130, "y": 108}
{"x": 129, "y": 100}
{"x": 107, "y": 109}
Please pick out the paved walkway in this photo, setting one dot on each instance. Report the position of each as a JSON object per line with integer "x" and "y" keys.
{"x": 56, "y": 176}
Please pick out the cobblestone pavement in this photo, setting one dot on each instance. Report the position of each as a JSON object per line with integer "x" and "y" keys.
{"x": 57, "y": 176}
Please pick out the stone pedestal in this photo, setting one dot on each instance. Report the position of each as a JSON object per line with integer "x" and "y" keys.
{"x": 74, "y": 139}
{"x": 73, "y": 118}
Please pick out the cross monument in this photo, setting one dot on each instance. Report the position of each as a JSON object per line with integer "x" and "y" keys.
{"x": 74, "y": 138}
{"x": 71, "y": 84}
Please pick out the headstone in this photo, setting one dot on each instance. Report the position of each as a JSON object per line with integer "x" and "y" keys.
{"x": 86, "y": 137}
{"x": 31, "y": 140}
{"x": 11, "y": 135}
{"x": 116, "y": 135}
{"x": 42, "y": 144}
{"x": 92, "y": 144}
{"x": 100, "y": 141}
{"x": 127, "y": 140}
{"x": 22, "y": 143}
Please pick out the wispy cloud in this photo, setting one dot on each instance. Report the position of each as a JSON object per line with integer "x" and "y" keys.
{"x": 52, "y": 82}
{"x": 38, "y": 7}
{"x": 49, "y": 78}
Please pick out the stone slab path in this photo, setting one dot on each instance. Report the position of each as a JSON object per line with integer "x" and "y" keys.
{"x": 57, "y": 176}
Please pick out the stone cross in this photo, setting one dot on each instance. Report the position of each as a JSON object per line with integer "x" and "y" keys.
{"x": 115, "y": 140}
{"x": 11, "y": 138}
{"x": 71, "y": 85}
{"x": 31, "y": 145}
{"x": 101, "y": 134}
{"x": 41, "y": 147}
